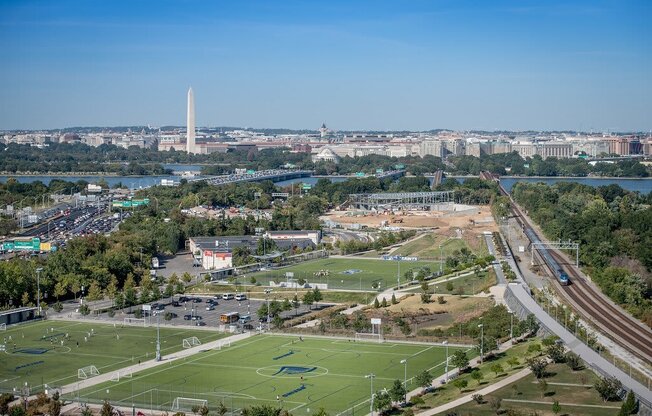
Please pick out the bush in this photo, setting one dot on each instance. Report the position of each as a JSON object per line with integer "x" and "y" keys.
{"x": 478, "y": 398}
{"x": 138, "y": 314}
{"x": 84, "y": 310}
{"x": 111, "y": 313}
{"x": 441, "y": 300}
{"x": 58, "y": 307}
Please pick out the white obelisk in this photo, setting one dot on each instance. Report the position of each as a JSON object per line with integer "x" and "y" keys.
{"x": 190, "y": 129}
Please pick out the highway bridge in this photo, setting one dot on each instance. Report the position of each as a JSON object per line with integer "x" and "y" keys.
{"x": 274, "y": 175}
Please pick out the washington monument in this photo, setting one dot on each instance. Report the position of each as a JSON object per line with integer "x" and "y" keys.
{"x": 190, "y": 124}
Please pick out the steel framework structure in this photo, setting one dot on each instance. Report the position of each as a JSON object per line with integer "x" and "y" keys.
{"x": 401, "y": 200}
{"x": 559, "y": 245}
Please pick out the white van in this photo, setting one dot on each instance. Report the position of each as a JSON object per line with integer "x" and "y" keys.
{"x": 228, "y": 296}
{"x": 240, "y": 297}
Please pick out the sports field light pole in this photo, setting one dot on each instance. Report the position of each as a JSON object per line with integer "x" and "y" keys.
{"x": 371, "y": 377}
{"x": 267, "y": 292}
{"x": 446, "y": 370}
{"x": 158, "y": 337}
{"x": 38, "y": 290}
{"x": 404, "y": 362}
{"x": 481, "y": 326}
{"x": 511, "y": 326}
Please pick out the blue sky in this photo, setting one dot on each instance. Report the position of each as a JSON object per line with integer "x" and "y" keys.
{"x": 382, "y": 65}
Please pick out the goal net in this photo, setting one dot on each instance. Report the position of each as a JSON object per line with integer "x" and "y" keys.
{"x": 135, "y": 321}
{"x": 3, "y": 327}
{"x": 87, "y": 372}
{"x": 187, "y": 404}
{"x": 369, "y": 337}
{"x": 191, "y": 342}
{"x": 223, "y": 344}
{"x": 121, "y": 374}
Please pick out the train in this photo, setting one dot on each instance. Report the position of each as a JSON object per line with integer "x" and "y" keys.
{"x": 560, "y": 274}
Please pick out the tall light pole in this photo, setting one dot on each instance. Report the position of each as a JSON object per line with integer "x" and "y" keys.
{"x": 371, "y": 377}
{"x": 267, "y": 292}
{"x": 481, "y": 326}
{"x": 158, "y": 337}
{"x": 511, "y": 326}
{"x": 446, "y": 370}
{"x": 38, "y": 290}
{"x": 441, "y": 260}
{"x": 404, "y": 362}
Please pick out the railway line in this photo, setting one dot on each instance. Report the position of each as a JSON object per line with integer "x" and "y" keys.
{"x": 590, "y": 303}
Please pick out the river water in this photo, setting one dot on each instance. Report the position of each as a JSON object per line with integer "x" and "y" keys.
{"x": 134, "y": 182}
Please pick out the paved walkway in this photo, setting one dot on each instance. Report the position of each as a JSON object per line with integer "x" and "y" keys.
{"x": 598, "y": 406}
{"x": 469, "y": 397}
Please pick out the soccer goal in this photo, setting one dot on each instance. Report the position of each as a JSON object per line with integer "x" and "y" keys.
{"x": 191, "y": 342}
{"x": 3, "y": 327}
{"x": 135, "y": 321}
{"x": 121, "y": 374}
{"x": 88, "y": 371}
{"x": 184, "y": 403}
{"x": 369, "y": 337}
{"x": 223, "y": 344}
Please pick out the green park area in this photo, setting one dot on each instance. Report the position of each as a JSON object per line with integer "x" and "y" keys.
{"x": 573, "y": 390}
{"x": 301, "y": 375}
{"x": 52, "y": 352}
{"x": 347, "y": 273}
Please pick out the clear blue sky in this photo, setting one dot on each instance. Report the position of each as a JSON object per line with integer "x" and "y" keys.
{"x": 416, "y": 65}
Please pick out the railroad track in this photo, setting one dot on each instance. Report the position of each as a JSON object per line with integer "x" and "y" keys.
{"x": 592, "y": 305}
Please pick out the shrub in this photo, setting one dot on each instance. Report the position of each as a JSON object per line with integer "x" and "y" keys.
{"x": 478, "y": 398}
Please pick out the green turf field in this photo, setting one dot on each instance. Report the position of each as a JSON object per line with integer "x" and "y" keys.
{"x": 39, "y": 358}
{"x": 301, "y": 376}
{"x": 362, "y": 273}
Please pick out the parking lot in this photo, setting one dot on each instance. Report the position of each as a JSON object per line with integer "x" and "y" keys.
{"x": 191, "y": 310}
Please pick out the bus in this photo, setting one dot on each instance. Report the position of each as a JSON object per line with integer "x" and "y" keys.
{"x": 229, "y": 318}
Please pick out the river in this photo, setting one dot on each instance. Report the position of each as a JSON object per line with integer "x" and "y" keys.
{"x": 134, "y": 182}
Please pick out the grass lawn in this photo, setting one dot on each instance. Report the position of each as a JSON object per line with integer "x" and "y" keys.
{"x": 301, "y": 376}
{"x": 427, "y": 247}
{"x": 466, "y": 285}
{"x": 39, "y": 357}
{"x": 525, "y": 395}
{"x": 449, "y": 392}
{"x": 347, "y": 273}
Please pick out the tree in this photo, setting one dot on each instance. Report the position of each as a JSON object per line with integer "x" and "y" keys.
{"x": 573, "y": 361}
{"x": 495, "y": 403}
{"x": 629, "y": 406}
{"x": 441, "y": 300}
{"x": 19, "y": 410}
{"x": 556, "y": 353}
{"x": 261, "y": 410}
{"x": 460, "y": 383}
{"x": 86, "y": 411}
{"x": 384, "y": 303}
{"x": 538, "y": 366}
{"x": 460, "y": 360}
{"x": 513, "y": 362}
{"x": 608, "y": 388}
{"x": 556, "y": 408}
{"x": 394, "y": 301}
{"x": 543, "y": 386}
{"x": 316, "y": 295}
{"x": 397, "y": 392}
{"x": 424, "y": 379}
{"x": 382, "y": 401}
{"x": 534, "y": 349}
{"x": 476, "y": 375}
{"x": 5, "y": 399}
{"x": 478, "y": 398}
{"x": 94, "y": 291}
{"x": 376, "y": 303}
{"x": 186, "y": 277}
{"x": 107, "y": 409}
{"x": 497, "y": 368}
{"x": 309, "y": 298}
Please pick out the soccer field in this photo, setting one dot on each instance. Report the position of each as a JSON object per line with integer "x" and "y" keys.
{"x": 34, "y": 352}
{"x": 299, "y": 375}
{"x": 348, "y": 273}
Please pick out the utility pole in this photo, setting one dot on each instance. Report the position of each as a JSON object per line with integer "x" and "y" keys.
{"x": 158, "y": 337}
{"x": 38, "y": 290}
{"x": 371, "y": 377}
{"x": 481, "y": 326}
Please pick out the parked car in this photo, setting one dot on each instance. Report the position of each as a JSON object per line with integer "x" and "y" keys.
{"x": 210, "y": 307}
{"x": 228, "y": 296}
{"x": 187, "y": 317}
{"x": 240, "y": 297}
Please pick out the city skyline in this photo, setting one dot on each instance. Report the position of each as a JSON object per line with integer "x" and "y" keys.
{"x": 364, "y": 66}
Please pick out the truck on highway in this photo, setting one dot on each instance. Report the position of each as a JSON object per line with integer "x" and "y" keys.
{"x": 155, "y": 262}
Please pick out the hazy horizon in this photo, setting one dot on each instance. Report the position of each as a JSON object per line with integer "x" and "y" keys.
{"x": 357, "y": 66}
